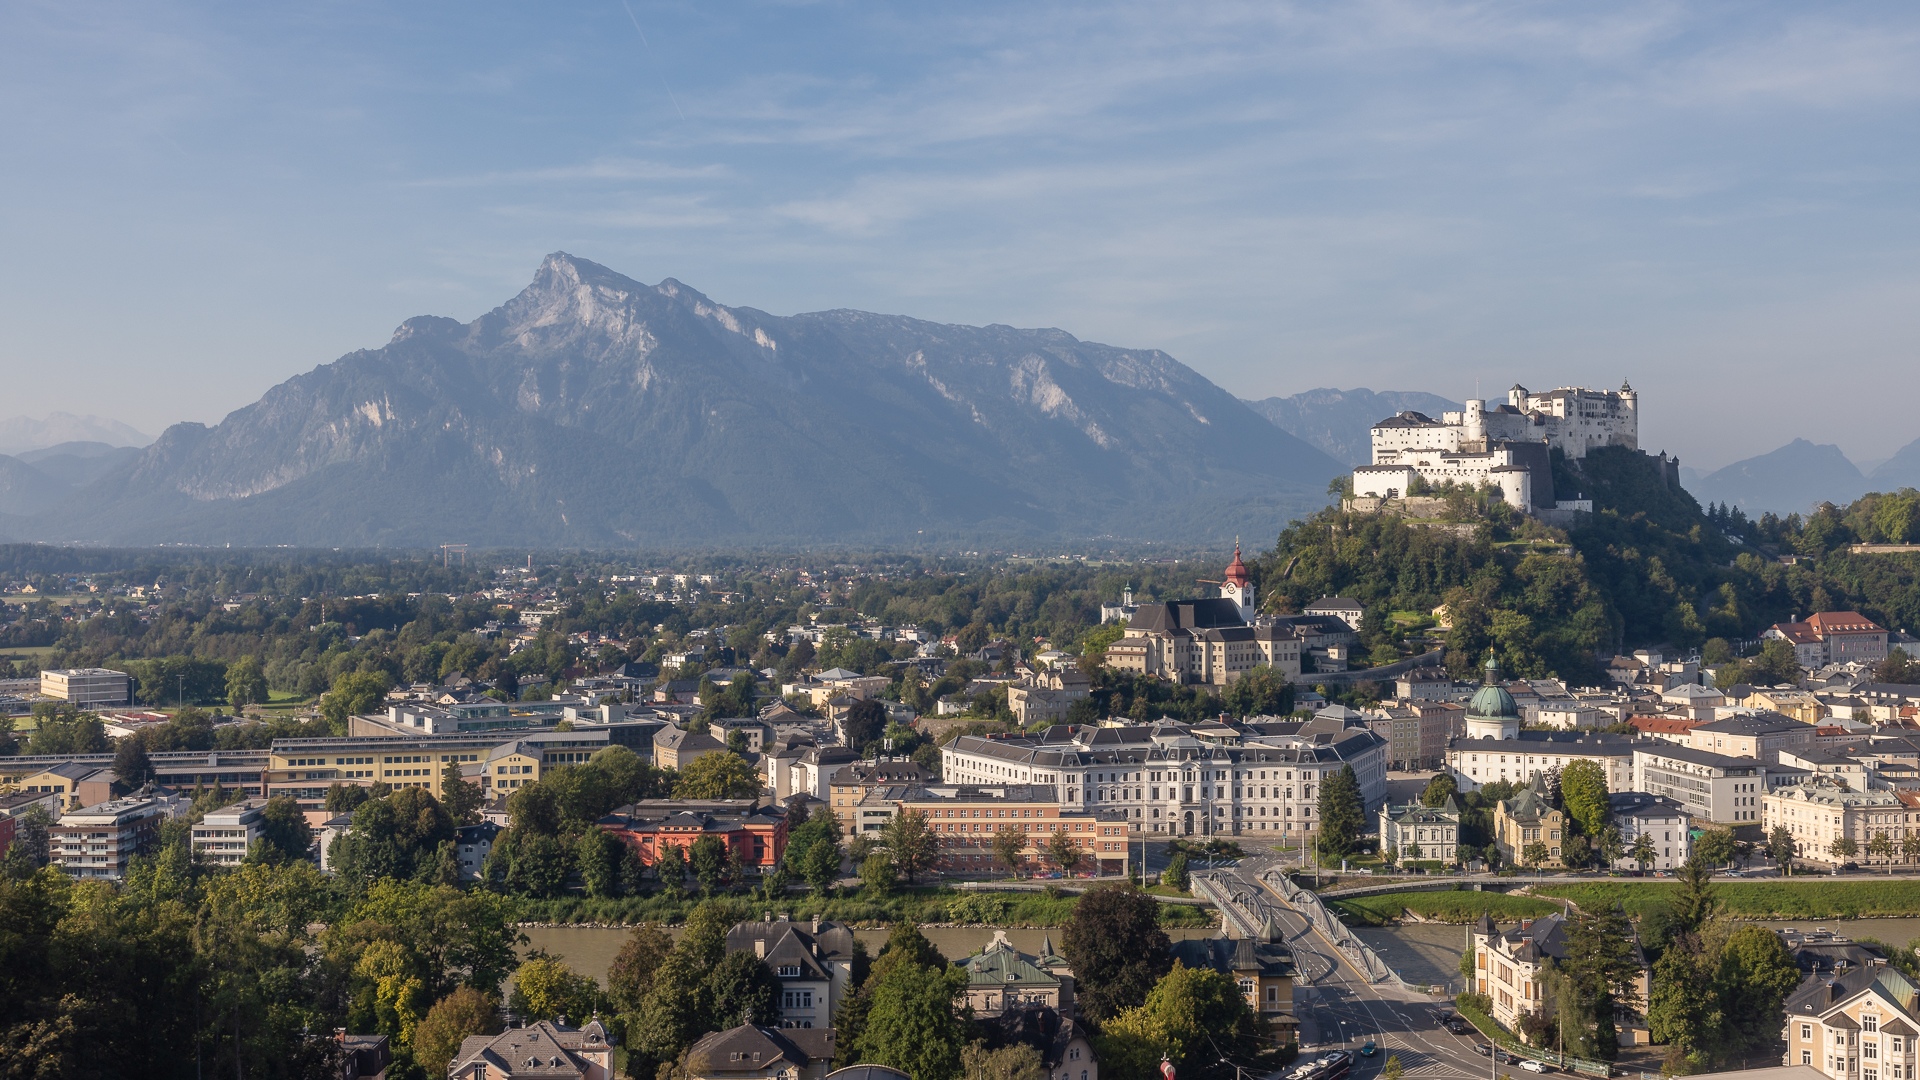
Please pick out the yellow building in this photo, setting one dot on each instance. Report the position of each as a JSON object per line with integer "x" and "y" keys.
{"x": 1798, "y": 704}
{"x": 1527, "y": 819}
{"x": 306, "y": 768}
{"x": 1857, "y": 1024}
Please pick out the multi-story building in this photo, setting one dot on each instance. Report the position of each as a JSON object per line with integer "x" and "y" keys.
{"x": 1508, "y": 967}
{"x": 677, "y": 748}
{"x": 1417, "y": 832}
{"x": 223, "y": 836}
{"x": 1712, "y": 787}
{"x": 813, "y": 962}
{"x": 1759, "y": 735}
{"x": 964, "y": 819}
{"x": 78, "y": 783}
{"x": 304, "y": 769}
{"x": 1495, "y": 750}
{"x": 88, "y": 687}
{"x": 473, "y": 843}
{"x": 1163, "y": 779}
{"x": 1262, "y": 968}
{"x": 1821, "y": 811}
{"x": 543, "y": 1049}
{"x": 1661, "y": 820}
{"x": 100, "y": 841}
{"x": 853, "y": 782}
{"x": 754, "y": 832}
{"x": 1212, "y": 642}
{"x": 1832, "y": 637}
{"x": 1001, "y": 977}
{"x": 1526, "y": 820}
{"x": 1859, "y": 1023}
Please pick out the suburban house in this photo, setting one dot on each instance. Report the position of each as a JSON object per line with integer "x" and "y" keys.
{"x": 813, "y": 962}
{"x": 1001, "y": 977}
{"x": 1509, "y": 965}
{"x": 1417, "y": 832}
{"x": 1527, "y": 819}
{"x": 545, "y": 1049}
{"x": 1859, "y": 1023}
{"x": 751, "y": 1052}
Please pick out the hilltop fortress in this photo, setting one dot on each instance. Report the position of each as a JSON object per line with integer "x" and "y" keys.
{"x": 1506, "y": 446}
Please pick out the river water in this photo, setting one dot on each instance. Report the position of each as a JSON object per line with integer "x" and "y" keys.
{"x": 590, "y": 949}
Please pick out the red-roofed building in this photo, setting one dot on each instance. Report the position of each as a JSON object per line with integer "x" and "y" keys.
{"x": 1671, "y": 728}
{"x": 1832, "y": 637}
{"x": 754, "y": 832}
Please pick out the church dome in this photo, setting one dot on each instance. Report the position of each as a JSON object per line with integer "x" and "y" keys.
{"x": 1492, "y": 714}
{"x": 1494, "y": 703}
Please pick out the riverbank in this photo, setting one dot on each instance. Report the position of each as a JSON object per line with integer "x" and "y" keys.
{"x": 1756, "y": 899}
{"x": 932, "y": 905}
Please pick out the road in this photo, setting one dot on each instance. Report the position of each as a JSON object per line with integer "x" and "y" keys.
{"x": 1338, "y": 1008}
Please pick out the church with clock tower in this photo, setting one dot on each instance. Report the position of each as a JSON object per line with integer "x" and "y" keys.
{"x": 1210, "y": 641}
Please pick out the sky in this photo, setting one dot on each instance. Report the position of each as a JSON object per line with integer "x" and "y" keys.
{"x": 1716, "y": 201}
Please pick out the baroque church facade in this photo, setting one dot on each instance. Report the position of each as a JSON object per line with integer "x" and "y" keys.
{"x": 1211, "y": 642}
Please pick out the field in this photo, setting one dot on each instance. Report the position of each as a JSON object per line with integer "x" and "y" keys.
{"x": 1759, "y": 899}
{"x": 1460, "y": 906}
{"x": 921, "y": 905}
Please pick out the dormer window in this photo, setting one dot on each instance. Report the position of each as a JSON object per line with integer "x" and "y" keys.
{"x": 788, "y": 971}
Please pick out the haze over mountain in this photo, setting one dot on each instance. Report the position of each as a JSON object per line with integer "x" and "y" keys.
{"x": 1340, "y": 422}
{"x": 593, "y": 410}
{"x": 1793, "y": 479}
{"x": 21, "y": 434}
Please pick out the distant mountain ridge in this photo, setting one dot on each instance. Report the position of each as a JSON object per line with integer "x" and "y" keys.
{"x": 1791, "y": 480}
{"x": 1340, "y": 422}
{"x": 592, "y": 410}
{"x": 22, "y": 434}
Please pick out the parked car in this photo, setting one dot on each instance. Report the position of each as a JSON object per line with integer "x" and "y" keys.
{"x": 1536, "y": 1066}
{"x": 1459, "y": 1026}
{"x": 1483, "y": 1049}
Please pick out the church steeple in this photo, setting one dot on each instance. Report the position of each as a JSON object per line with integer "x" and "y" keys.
{"x": 1237, "y": 584}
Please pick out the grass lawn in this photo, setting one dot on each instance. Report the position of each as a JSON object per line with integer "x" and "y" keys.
{"x": 27, "y": 652}
{"x": 1458, "y": 906}
{"x": 1789, "y": 899}
{"x": 925, "y": 904}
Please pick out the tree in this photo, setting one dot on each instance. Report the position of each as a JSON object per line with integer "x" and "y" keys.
{"x": 877, "y": 874}
{"x": 1342, "y": 814}
{"x": 1844, "y": 847}
{"x": 742, "y": 989}
{"x": 1064, "y": 850}
{"x": 1696, "y": 902}
{"x": 1176, "y": 872}
{"x": 819, "y": 864}
{"x": 598, "y": 855}
{"x": 1600, "y": 967}
{"x": 1534, "y": 855}
{"x": 1438, "y": 790}
{"x": 718, "y": 776}
{"x": 1782, "y": 848}
{"x": 392, "y": 837}
{"x": 1881, "y": 847}
{"x": 1716, "y": 846}
{"x": 911, "y": 843}
{"x": 1755, "y": 975}
{"x": 459, "y": 796}
{"x": 131, "y": 763}
{"x": 63, "y": 729}
{"x": 1016, "y": 1061}
{"x": 246, "y": 683}
{"x": 1009, "y": 847}
{"x": 284, "y": 832}
{"x": 452, "y": 1019}
{"x": 1583, "y": 792}
{"x": 633, "y": 966}
{"x": 346, "y": 798}
{"x": 910, "y": 1022}
{"x": 864, "y": 724}
{"x": 671, "y": 866}
{"x": 1643, "y": 851}
{"x": 1393, "y": 1070}
{"x": 1683, "y": 1010}
{"x": 544, "y": 988}
{"x": 1609, "y": 846}
{"x": 708, "y": 857}
{"x": 1116, "y": 948}
{"x": 353, "y": 693}
{"x": 1194, "y": 1016}
{"x": 1910, "y": 847}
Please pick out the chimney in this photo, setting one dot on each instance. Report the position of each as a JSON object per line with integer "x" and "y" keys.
{"x": 816, "y": 924}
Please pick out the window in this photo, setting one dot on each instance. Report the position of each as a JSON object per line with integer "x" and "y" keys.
{"x": 1869, "y": 1023}
{"x": 796, "y": 999}
{"x": 788, "y": 971}
{"x": 1806, "y": 1032}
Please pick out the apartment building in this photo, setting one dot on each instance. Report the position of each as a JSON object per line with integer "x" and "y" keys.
{"x": 1712, "y": 787}
{"x": 1663, "y": 821}
{"x": 98, "y": 842}
{"x": 1528, "y": 754}
{"x": 964, "y": 819}
{"x": 1821, "y": 811}
{"x": 1858, "y": 1023}
{"x": 1759, "y": 735}
{"x": 305, "y": 768}
{"x": 1416, "y": 832}
{"x": 223, "y": 836}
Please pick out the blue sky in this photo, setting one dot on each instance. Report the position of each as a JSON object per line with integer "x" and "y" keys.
{"x": 1717, "y": 201}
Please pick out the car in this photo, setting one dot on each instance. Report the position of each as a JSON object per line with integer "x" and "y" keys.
{"x": 1459, "y": 1026}
{"x": 1505, "y": 1058}
{"x": 1536, "y": 1066}
{"x": 1369, "y": 1049}
{"x": 1483, "y": 1049}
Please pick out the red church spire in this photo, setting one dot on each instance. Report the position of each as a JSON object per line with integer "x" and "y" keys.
{"x": 1236, "y": 570}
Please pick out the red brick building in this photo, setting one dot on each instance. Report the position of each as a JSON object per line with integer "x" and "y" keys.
{"x": 755, "y": 832}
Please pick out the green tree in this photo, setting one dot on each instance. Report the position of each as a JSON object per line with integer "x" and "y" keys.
{"x": 1016, "y": 1061}
{"x": 1438, "y": 790}
{"x": 1881, "y": 847}
{"x": 865, "y": 722}
{"x": 246, "y": 683}
{"x": 1176, "y": 873}
{"x": 62, "y": 729}
{"x": 819, "y": 864}
{"x": 1009, "y": 847}
{"x": 353, "y": 693}
{"x": 911, "y": 843}
{"x": 392, "y": 837}
{"x": 717, "y": 776}
{"x": 877, "y": 874}
{"x": 1716, "y": 846}
{"x": 1064, "y": 850}
{"x": 1782, "y": 848}
{"x": 1756, "y": 973}
{"x": 131, "y": 763}
{"x": 1844, "y": 847}
{"x": 1342, "y": 814}
{"x": 1194, "y": 1016}
{"x": 598, "y": 855}
{"x": 545, "y": 988}
{"x": 459, "y": 796}
{"x": 1600, "y": 967}
{"x": 1116, "y": 948}
{"x": 284, "y": 832}
{"x": 1696, "y": 901}
{"x": 1583, "y": 792}
{"x": 452, "y": 1019}
{"x": 1910, "y": 847}
{"x": 1534, "y": 855}
{"x": 910, "y": 1022}
{"x": 1393, "y": 1070}
{"x": 742, "y": 990}
{"x": 1683, "y": 1011}
{"x": 708, "y": 857}
{"x": 1643, "y": 851}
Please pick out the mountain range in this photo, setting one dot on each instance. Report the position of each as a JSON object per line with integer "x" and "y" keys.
{"x": 1799, "y": 476}
{"x": 595, "y": 411}
{"x": 21, "y": 434}
{"x": 1340, "y": 422}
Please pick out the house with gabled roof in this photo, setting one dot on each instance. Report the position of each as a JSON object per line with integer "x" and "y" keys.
{"x": 1526, "y": 819}
{"x": 1001, "y": 977}
{"x": 545, "y": 1050}
{"x": 813, "y": 962}
{"x": 1262, "y": 968}
{"x": 753, "y": 1052}
{"x": 1855, "y": 1023}
{"x": 1509, "y": 967}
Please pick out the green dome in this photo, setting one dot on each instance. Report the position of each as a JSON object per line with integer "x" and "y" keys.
{"x": 1493, "y": 702}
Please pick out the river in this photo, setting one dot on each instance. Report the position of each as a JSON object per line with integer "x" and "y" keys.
{"x": 590, "y": 949}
